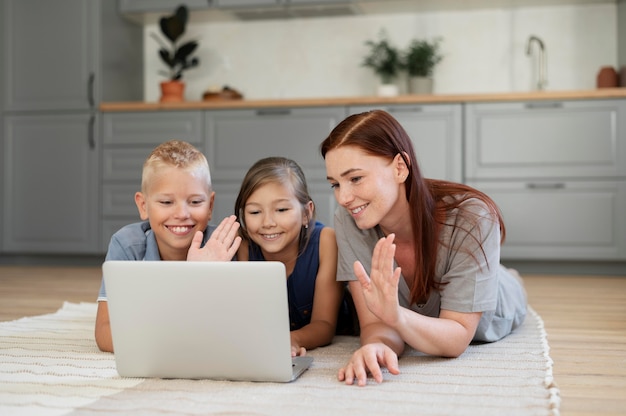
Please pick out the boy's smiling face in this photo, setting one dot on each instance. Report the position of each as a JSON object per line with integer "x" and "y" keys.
{"x": 177, "y": 203}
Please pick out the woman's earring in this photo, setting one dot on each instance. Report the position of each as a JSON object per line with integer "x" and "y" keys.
{"x": 306, "y": 226}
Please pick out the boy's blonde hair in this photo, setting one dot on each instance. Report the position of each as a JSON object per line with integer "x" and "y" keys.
{"x": 179, "y": 154}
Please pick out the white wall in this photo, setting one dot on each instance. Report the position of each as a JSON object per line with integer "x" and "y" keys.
{"x": 484, "y": 51}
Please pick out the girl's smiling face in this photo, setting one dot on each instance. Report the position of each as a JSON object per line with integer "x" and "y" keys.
{"x": 177, "y": 203}
{"x": 273, "y": 218}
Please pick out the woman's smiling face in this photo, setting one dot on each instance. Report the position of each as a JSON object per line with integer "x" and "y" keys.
{"x": 365, "y": 185}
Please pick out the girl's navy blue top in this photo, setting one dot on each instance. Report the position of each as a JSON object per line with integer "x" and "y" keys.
{"x": 301, "y": 282}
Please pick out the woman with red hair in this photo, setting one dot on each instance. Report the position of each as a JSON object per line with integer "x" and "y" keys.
{"x": 422, "y": 256}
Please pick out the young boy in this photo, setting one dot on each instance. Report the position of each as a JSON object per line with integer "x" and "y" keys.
{"x": 175, "y": 205}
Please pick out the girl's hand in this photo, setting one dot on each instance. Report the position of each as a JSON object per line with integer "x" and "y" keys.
{"x": 297, "y": 351}
{"x": 222, "y": 245}
{"x": 380, "y": 289}
{"x": 369, "y": 359}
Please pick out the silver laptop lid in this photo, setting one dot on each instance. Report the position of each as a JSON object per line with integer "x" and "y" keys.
{"x": 215, "y": 320}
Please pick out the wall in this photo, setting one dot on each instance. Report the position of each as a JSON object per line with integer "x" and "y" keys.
{"x": 621, "y": 36}
{"x": 484, "y": 51}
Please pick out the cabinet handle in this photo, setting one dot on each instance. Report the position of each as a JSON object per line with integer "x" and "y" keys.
{"x": 91, "y": 137}
{"x": 555, "y": 185}
{"x": 90, "y": 95}
{"x": 273, "y": 112}
{"x": 542, "y": 105}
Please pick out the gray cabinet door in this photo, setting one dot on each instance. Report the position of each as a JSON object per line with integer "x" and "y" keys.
{"x": 569, "y": 139}
{"x": 235, "y": 139}
{"x": 246, "y": 3}
{"x": 558, "y": 173}
{"x": 50, "y": 54}
{"x": 50, "y": 176}
{"x": 436, "y": 133}
{"x": 166, "y": 6}
{"x": 554, "y": 220}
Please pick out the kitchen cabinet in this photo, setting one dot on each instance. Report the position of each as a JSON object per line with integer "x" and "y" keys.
{"x": 2, "y": 93}
{"x": 265, "y": 3}
{"x": 58, "y": 65}
{"x": 128, "y": 139}
{"x": 149, "y": 11}
{"x": 50, "y": 178}
{"x": 558, "y": 172}
{"x": 564, "y": 220}
{"x": 236, "y": 139}
{"x": 436, "y": 133}
{"x": 165, "y": 6}
{"x": 57, "y": 56}
{"x": 50, "y": 60}
{"x": 245, "y": 3}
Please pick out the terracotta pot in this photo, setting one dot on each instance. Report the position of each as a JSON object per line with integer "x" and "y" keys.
{"x": 607, "y": 77}
{"x": 172, "y": 92}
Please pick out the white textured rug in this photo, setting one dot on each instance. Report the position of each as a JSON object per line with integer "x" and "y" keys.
{"x": 50, "y": 365}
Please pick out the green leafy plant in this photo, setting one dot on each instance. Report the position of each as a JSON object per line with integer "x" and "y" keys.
{"x": 383, "y": 58}
{"x": 177, "y": 56}
{"x": 421, "y": 57}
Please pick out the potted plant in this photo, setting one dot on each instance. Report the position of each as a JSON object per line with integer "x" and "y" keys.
{"x": 176, "y": 55}
{"x": 419, "y": 60}
{"x": 384, "y": 59}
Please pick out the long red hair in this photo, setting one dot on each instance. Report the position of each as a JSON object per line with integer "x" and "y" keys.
{"x": 379, "y": 134}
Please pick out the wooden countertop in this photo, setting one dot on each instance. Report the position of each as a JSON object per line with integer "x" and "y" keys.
{"x": 372, "y": 100}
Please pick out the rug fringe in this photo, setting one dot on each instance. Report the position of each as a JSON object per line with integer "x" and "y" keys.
{"x": 553, "y": 389}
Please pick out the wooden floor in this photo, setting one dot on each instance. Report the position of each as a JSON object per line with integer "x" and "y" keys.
{"x": 584, "y": 316}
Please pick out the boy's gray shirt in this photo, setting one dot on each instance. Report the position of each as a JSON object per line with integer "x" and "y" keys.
{"x": 137, "y": 242}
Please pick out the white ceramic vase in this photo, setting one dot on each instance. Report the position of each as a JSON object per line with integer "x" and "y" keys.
{"x": 387, "y": 90}
{"x": 420, "y": 85}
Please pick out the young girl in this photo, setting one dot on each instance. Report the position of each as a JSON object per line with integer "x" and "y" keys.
{"x": 277, "y": 224}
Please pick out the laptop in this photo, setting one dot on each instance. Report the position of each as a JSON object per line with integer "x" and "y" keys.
{"x": 201, "y": 320}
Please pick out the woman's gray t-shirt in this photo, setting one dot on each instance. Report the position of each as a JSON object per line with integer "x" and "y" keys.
{"x": 475, "y": 282}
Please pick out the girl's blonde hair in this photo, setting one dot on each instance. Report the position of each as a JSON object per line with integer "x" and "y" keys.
{"x": 179, "y": 154}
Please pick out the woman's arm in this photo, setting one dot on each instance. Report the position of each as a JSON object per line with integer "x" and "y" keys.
{"x": 445, "y": 336}
{"x": 326, "y": 299}
{"x": 380, "y": 345}
{"x": 448, "y": 335}
{"x": 103, "y": 328}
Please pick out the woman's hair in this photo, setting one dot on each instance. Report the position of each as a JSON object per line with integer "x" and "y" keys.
{"x": 377, "y": 133}
{"x": 275, "y": 170}
{"x": 179, "y": 154}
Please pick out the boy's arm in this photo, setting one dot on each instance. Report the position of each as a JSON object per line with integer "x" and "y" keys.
{"x": 103, "y": 328}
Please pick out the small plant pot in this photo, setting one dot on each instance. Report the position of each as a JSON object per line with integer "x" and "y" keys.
{"x": 172, "y": 92}
{"x": 607, "y": 77}
{"x": 420, "y": 85}
{"x": 387, "y": 90}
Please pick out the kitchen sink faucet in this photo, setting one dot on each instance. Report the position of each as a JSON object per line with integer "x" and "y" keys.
{"x": 542, "y": 80}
